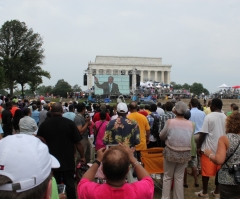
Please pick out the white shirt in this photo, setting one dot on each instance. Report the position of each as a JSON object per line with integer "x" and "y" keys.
{"x": 160, "y": 111}
{"x": 214, "y": 127}
{"x": 110, "y": 87}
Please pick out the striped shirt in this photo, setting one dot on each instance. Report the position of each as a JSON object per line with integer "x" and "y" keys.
{"x": 164, "y": 118}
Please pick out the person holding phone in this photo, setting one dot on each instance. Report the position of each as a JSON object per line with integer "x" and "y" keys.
{"x": 82, "y": 121}
{"x": 115, "y": 166}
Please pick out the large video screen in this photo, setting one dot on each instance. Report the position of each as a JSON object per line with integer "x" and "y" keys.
{"x": 111, "y": 84}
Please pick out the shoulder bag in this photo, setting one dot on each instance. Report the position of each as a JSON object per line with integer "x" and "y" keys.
{"x": 95, "y": 136}
{"x": 231, "y": 170}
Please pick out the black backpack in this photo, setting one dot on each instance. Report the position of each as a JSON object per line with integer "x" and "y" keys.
{"x": 155, "y": 127}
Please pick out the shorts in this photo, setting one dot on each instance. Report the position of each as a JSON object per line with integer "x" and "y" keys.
{"x": 192, "y": 163}
{"x": 209, "y": 169}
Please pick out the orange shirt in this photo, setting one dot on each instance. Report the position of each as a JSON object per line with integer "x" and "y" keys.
{"x": 14, "y": 108}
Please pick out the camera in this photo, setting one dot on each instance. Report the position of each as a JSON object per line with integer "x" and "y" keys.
{"x": 110, "y": 145}
{"x": 86, "y": 115}
{"x": 235, "y": 170}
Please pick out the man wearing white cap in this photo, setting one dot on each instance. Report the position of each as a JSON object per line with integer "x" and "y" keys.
{"x": 122, "y": 130}
{"x": 25, "y": 171}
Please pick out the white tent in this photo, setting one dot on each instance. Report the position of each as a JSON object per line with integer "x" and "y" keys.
{"x": 224, "y": 86}
{"x": 143, "y": 84}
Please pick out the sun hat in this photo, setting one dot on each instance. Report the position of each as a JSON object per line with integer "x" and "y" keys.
{"x": 122, "y": 108}
{"x": 26, "y": 161}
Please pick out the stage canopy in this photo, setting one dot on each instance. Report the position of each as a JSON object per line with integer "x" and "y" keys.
{"x": 224, "y": 86}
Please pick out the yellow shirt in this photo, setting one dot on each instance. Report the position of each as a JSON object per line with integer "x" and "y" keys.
{"x": 143, "y": 127}
{"x": 149, "y": 112}
{"x": 207, "y": 110}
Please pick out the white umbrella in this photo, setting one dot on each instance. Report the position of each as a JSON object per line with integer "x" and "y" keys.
{"x": 224, "y": 86}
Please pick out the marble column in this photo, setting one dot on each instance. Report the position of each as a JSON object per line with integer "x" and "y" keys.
{"x": 168, "y": 79}
{"x": 162, "y": 76}
{"x": 89, "y": 78}
{"x": 156, "y": 77}
{"x": 149, "y": 75}
{"x": 141, "y": 79}
{"x": 134, "y": 79}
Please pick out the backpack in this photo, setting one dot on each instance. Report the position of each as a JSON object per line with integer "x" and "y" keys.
{"x": 155, "y": 127}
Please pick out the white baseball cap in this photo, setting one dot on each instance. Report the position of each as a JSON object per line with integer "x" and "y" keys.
{"x": 25, "y": 159}
{"x": 122, "y": 108}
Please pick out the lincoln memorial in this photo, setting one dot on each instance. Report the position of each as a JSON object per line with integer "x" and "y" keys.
{"x": 149, "y": 68}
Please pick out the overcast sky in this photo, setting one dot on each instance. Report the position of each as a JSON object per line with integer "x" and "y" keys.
{"x": 199, "y": 38}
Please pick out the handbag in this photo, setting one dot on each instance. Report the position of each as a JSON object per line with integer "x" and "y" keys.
{"x": 95, "y": 137}
{"x": 231, "y": 170}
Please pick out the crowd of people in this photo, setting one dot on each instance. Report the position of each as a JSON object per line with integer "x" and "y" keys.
{"x": 200, "y": 137}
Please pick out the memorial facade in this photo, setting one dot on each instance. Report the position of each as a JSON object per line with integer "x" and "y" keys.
{"x": 149, "y": 69}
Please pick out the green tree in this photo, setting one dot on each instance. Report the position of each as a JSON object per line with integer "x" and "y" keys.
{"x": 206, "y": 92}
{"x": 177, "y": 86}
{"x": 76, "y": 88}
{"x": 2, "y": 77}
{"x": 21, "y": 53}
{"x": 186, "y": 86}
{"x": 173, "y": 83}
{"x": 43, "y": 90}
{"x": 196, "y": 88}
{"x": 61, "y": 88}
{"x": 33, "y": 77}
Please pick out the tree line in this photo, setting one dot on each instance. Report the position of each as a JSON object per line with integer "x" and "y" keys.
{"x": 195, "y": 88}
{"x": 60, "y": 89}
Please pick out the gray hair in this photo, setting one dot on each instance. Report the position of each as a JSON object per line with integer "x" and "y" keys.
{"x": 181, "y": 108}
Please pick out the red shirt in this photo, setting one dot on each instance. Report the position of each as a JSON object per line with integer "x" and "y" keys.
{"x": 145, "y": 113}
{"x": 96, "y": 117}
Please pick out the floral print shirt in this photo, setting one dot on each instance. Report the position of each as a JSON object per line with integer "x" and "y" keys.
{"x": 122, "y": 130}
{"x": 224, "y": 177}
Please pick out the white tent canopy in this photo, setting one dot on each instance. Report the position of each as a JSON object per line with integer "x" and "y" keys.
{"x": 224, "y": 86}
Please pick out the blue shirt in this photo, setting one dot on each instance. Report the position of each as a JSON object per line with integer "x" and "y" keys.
{"x": 197, "y": 117}
{"x": 35, "y": 115}
{"x": 69, "y": 115}
{"x": 1, "y": 130}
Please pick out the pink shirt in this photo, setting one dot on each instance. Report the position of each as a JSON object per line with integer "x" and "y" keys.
{"x": 140, "y": 189}
{"x": 99, "y": 140}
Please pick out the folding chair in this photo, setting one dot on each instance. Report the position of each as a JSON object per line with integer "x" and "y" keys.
{"x": 152, "y": 160}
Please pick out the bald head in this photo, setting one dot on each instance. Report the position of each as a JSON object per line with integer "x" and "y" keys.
{"x": 115, "y": 163}
{"x": 133, "y": 106}
{"x": 56, "y": 108}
